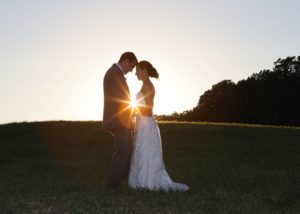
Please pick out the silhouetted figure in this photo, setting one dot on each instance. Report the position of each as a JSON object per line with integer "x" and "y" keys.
{"x": 147, "y": 170}
{"x": 117, "y": 117}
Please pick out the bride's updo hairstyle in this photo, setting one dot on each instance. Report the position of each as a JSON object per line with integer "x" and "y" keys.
{"x": 148, "y": 66}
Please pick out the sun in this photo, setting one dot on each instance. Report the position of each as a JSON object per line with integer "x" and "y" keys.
{"x": 133, "y": 103}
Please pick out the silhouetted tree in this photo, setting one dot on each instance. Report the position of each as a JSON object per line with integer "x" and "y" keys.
{"x": 267, "y": 97}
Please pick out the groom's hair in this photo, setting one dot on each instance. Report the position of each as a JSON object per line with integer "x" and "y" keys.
{"x": 128, "y": 55}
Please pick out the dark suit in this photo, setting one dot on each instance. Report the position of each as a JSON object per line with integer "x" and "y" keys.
{"x": 117, "y": 118}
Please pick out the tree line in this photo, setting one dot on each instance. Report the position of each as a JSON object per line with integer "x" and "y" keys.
{"x": 267, "y": 97}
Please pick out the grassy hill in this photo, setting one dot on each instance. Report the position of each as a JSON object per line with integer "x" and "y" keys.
{"x": 60, "y": 167}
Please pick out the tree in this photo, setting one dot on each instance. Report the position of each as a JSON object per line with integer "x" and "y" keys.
{"x": 267, "y": 97}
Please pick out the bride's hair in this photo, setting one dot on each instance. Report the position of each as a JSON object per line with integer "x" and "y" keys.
{"x": 149, "y": 67}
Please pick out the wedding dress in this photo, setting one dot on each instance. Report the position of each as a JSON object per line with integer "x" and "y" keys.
{"x": 147, "y": 170}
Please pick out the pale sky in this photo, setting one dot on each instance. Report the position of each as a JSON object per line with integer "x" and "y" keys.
{"x": 54, "y": 53}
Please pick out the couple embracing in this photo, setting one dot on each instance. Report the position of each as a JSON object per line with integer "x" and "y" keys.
{"x": 138, "y": 149}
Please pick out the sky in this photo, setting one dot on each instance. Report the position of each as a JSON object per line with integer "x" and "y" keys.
{"x": 54, "y": 53}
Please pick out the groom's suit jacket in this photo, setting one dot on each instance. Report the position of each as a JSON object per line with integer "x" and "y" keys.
{"x": 117, "y": 112}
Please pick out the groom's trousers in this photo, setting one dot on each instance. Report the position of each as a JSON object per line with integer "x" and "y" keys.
{"x": 121, "y": 159}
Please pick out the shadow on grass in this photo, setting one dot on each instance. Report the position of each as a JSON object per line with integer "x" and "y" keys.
{"x": 60, "y": 167}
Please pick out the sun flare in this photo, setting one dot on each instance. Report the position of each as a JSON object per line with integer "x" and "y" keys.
{"x": 133, "y": 104}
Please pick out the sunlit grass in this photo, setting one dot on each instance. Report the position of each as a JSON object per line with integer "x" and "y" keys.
{"x": 230, "y": 124}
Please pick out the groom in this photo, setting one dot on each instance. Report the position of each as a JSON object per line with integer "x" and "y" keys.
{"x": 117, "y": 117}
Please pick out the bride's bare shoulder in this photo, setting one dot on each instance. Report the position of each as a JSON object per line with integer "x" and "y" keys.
{"x": 149, "y": 87}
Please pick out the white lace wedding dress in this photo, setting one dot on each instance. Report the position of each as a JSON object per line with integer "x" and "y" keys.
{"x": 147, "y": 170}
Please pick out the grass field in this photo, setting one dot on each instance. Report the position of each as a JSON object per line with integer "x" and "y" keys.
{"x": 60, "y": 167}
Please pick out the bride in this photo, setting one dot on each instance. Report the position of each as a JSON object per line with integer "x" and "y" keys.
{"x": 147, "y": 170}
